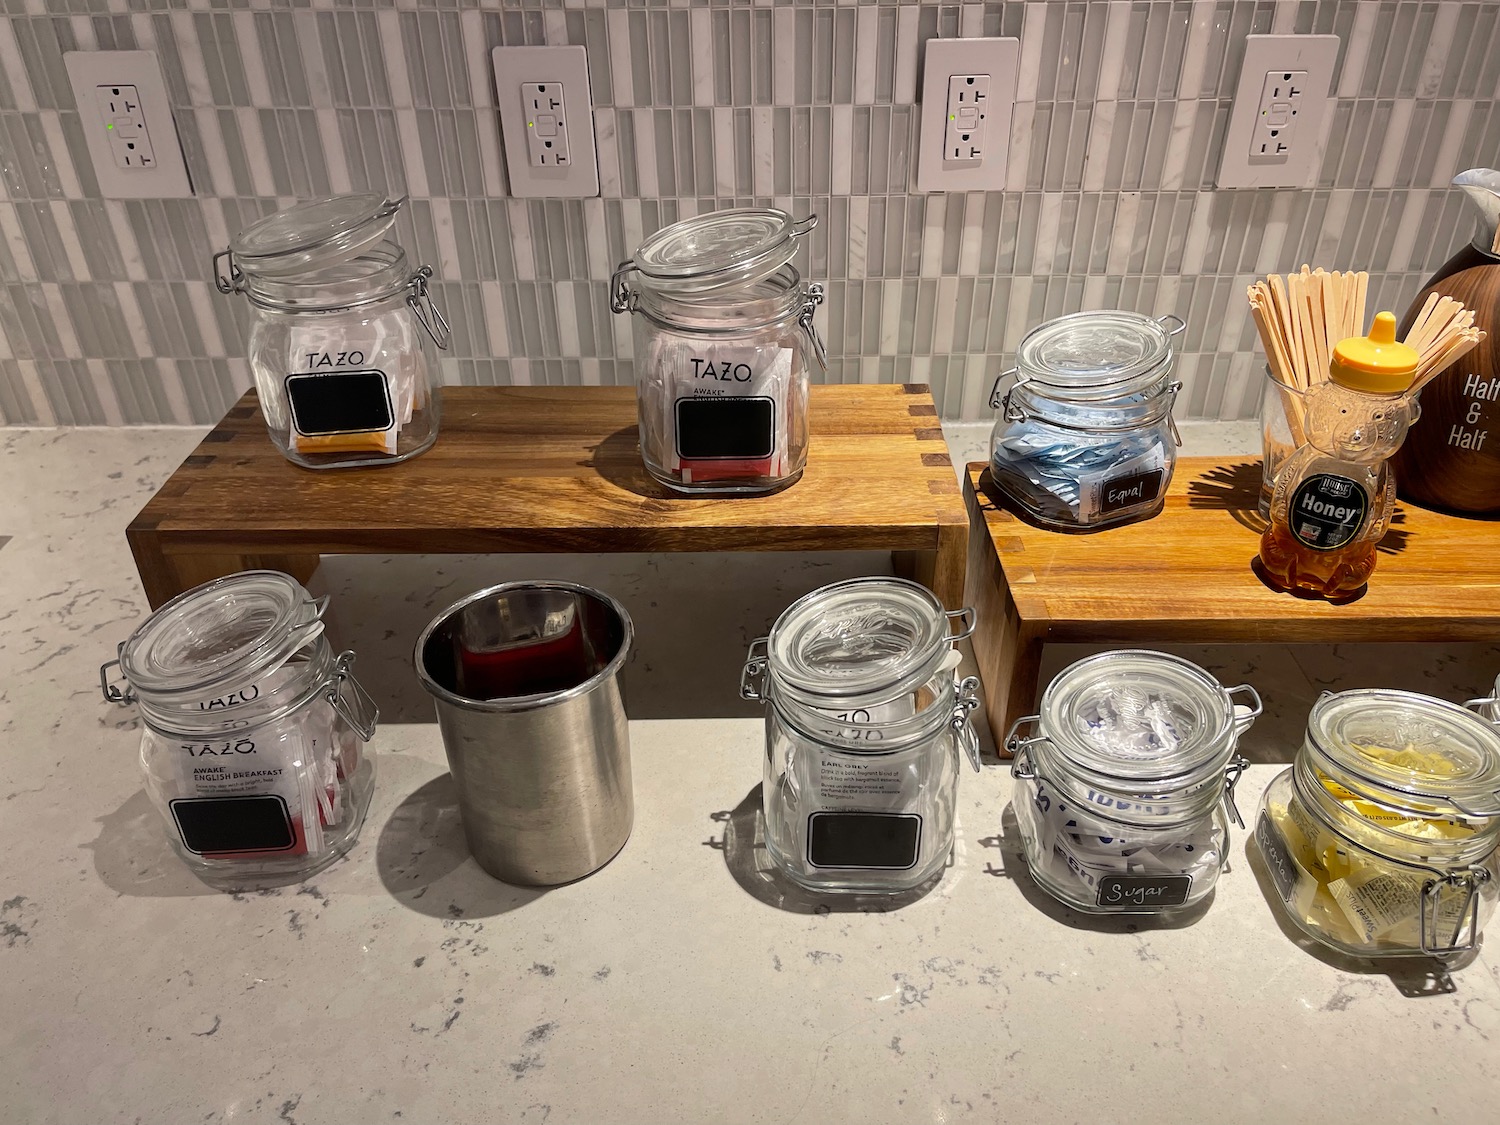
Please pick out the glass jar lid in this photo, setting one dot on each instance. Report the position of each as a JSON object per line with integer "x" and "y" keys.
{"x": 1139, "y": 717}
{"x": 314, "y": 235}
{"x": 867, "y": 638}
{"x": 1094, "y": 355}
{"x": 229, "y": 630}
{"x": 719, "y": 249}
{"x": 1407, "y": 750}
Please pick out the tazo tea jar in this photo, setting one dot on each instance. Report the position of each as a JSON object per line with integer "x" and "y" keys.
{"x": 724, "y": 341}
{"x": 251, "y": 747}
{"x": 1121, "y": 796}
{"x": 1085, "y": 438}
{"x": 343, "y": 337}
{"x": 1380, "y": 839}
{"x": 865, "y": 726}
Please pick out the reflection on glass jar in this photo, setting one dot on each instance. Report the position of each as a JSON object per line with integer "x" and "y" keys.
{"x": 344, "y": 337}
{"x": 1123, "y": 796}
{"x": 864, "y": 727}
{"x": 1380, "y": 839}
{"x": 252, "y": 729}
{"x": 723, "y": 345}
{"x": 1085, "y": 438}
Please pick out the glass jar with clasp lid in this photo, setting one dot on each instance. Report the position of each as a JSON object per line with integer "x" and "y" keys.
{"x": 252, "y": 729}
{"x": 344, "y": 334}
{"x": 865, "y": 727}
{"x": 1380, "y": 840}
{"x": 724, "y": 345}
{"x": 1085, "y": 438}
{"x": 1124, "y": 794}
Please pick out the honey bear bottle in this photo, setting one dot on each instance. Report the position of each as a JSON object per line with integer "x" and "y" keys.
{"x": 1334, "y": 496}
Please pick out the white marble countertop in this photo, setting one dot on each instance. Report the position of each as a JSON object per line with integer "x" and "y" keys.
{"x": 680, "y": 983}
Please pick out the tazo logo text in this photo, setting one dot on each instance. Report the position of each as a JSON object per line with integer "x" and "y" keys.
{"x": 218, "y": 749}
{"x": 723, "y": 372}
{"x": 316, "y": 360}
{"x": 233, "y": 699}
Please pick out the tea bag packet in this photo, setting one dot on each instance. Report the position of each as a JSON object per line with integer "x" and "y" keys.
{"x": 296, "y": 760}
{"x": 724, "y": 408}
{"x": 288, "y": 770}
{"x": 352, "y": 389}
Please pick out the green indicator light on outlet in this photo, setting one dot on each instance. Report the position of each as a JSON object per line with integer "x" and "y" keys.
{"x": 109, "y": 126}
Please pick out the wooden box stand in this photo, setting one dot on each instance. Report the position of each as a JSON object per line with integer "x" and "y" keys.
{"x": 520, "y": 469}
{"x": 1185, "y": 577}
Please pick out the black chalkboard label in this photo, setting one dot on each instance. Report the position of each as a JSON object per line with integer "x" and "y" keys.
{"x": 1327, "y": 510}
{"x": 233, "y": 824}
{"x": 1128, "y": 491}
{"x": 1144, "y": 892}
{"x": 1278, "y": 856}
{"x": 339, "y": 402}
{"x": 719, "y": 429}
{"x": 864, "y": 840}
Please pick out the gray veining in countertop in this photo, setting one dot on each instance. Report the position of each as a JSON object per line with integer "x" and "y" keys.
{"x": 682, "y": 982}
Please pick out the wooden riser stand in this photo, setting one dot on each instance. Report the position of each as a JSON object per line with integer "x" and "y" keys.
{"x": 1185, "y": 577}
{"x": 525, "y": 469}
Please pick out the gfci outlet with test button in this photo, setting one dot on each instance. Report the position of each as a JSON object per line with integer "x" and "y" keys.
{"x": 127, "y": 123}
{"x": 968, "y": 94}
{"x": 547, "y": 121}
{"x": 1276, "y": 128}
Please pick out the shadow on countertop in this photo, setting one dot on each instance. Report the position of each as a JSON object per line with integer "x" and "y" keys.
{"x": 426, "y": 866}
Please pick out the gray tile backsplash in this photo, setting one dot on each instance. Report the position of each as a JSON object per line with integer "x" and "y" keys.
{"x": 108, "y": 314}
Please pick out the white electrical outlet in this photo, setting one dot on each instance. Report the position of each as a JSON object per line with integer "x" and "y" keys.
{"x": 1276, "y": 133}
{"x": 1280, "y": 105}
{"x": 547, "y": 121}
{"x": 968, "y": 106}
{"x": 968, "y": 95}
{"x": 546, "y": 124}
{"x": 127, "y": 123}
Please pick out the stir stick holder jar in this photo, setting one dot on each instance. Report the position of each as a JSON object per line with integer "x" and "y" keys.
{"x": 345, "y": 335}
{"x": 724, "y": 343}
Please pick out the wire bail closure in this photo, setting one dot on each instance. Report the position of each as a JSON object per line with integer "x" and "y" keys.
{"x": 417, "y": 292}
{"x": 753, "y": 674}
{"x": 358, "y": 709}
{"x": 805, "y": 318}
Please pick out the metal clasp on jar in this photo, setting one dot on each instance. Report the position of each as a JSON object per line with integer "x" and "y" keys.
{"x": 753, "y": 674}
{"x": 350, "y": 699}
{"x": 1019, "y": 748}
{"x": 113, "y": 694}
{"x": 805, "y": 319}
{"x": 966, "y": 699}
{"x": 1469, "y": 880}
{"x": 416, "y": 294}
{"x": 230, "y": 280}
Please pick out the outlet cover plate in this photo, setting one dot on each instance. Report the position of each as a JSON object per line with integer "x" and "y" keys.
{"x": 1000, "y": 58}
{"x": 517, "y": 66}
{"x": 1315, "y": 54}
{"x": 168, "y": 178}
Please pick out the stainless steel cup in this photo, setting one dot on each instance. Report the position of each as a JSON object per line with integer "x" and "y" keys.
{"x": 525, "y": 677}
